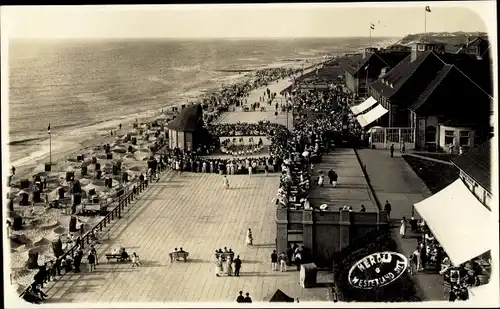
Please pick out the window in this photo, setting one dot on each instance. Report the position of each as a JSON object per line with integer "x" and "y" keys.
{"x": 464, "y": 138}
{"x": 421, "y": 47}
{"x": 430, "y": 134}
{"x": 449, "y": 137}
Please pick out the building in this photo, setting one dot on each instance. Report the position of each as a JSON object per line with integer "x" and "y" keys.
{"x": 427, "y": 92}
{"x": 374, "y": 64}
{"x": 475, "y": 172}
{"x": 182, "y": 130}
{"x": 460, "y": 215}
{"x": 324, "y": 233}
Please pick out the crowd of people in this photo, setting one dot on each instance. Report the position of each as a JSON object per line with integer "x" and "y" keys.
{"x": 321, "y": 118}
{"x": 262, "y": 128}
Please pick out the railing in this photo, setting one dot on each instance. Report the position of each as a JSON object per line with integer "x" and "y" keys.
{"x": 123, "y": 202}
{"x": 116, "y": 213}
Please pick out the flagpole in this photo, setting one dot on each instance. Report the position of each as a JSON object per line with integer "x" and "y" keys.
{"x": 370, "y": 35}
{"x": 50, "y": 149}
{"x": 425, "y": 25}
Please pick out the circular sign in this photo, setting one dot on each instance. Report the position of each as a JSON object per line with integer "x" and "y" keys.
{"x": 377, "y": 269}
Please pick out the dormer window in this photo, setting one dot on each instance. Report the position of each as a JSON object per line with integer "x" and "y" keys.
{"x": 421, "y": 47}
{"x": 392, "y": 85}
{"x": 383, "y": 80}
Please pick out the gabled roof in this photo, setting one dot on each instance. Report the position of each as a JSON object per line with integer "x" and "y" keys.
{"x": 187, "y": 120}
{"x": 477, "y": 164}
{"x": 399, "y": 75}
{"x": 432, "y": 86}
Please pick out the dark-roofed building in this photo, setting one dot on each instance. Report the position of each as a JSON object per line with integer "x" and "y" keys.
{"x": 373, "y": 64}
{"x": 423, "y": 92}
{"x": 182, "y": 130}
{"x": 475, "y": 171}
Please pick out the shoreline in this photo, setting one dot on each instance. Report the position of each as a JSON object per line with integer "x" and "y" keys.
{"x": 71, "y": 142}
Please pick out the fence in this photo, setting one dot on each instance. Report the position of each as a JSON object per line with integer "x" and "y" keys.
{"x": 116, "y": 213}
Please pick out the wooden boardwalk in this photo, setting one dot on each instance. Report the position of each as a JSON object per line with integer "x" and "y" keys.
{"x": 352, "y": 188}
{"x": 195, "y": 212}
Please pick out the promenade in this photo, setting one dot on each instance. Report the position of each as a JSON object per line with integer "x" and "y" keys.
{"x": 352, "y": 188}
{"x": 394, "y": 180}
{"x": 193, "y": 211}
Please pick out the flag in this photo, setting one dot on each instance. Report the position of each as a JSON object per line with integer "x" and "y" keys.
{"x": 428, "y": 9}
{"x": 372, "y": 26}
{"x": 48, "y": 129}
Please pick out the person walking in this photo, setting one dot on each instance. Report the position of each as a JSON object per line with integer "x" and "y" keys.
{"x": 417, "y": 259}
{"x": 249, "y": 238}
{"x": 91, "y": 259}
{"x": 237, "y": 266}
{"x": 266, "y": 169}
{"x": 247, "y": 298}
{"x": 402, "y": 229}
{"x": 94, "y": 252}
{"x": 226, "y": 182}
{"x": 135, "y": 260}
{"x": 403, "y": 147}
{"x": 392, "y": 150}
{"x": 229, "y": 266}
{"x": 218, "y": 267}
{"x": 387, "y": 209}
{"x": 282, "y": 260}
{"x": 298, "y": 259}
{"x": 274, "y": 261}
{"x": 240, "y": 298}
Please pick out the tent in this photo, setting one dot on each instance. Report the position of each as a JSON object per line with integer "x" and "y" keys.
{"x": 279, "y": 296}
{"x": 460, "y": 223}
{"x": 357, "y": 109}
{"x": 374, "y": 114}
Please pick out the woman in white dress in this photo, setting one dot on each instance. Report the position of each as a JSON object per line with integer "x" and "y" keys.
{"x": 402, "y": 229}
{"x": 135, "y": 260}
{"x": 249, "y": 238}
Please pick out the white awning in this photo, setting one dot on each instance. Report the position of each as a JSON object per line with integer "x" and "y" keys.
{"x": 372, "y": 115}
{"x": 460, "y": 223}
{"x": 363, "y": 106}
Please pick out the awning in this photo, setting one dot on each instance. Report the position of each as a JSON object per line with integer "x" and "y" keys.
{"x": 460, "y": 223}
{"x": 363, "y": 106}
{"x": 371, "y": 116}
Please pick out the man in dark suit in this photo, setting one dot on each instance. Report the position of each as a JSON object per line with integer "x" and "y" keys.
{"x": 237, "y": 266}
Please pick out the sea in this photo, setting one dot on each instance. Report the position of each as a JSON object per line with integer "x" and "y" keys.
{"x": 76, "y": 83}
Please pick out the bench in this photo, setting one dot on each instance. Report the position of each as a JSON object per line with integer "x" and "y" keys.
{"x": 118, "y": 257}
{"x": 178, "y": 255}
{"x": 225, "y": 255}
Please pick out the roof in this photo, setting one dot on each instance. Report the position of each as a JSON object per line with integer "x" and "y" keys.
{"x": 432, "y": 86}
{"x": 187, "y": 120}
{"x": 403, "y": 72}
{"x": 279, "y": 296}
{"x": 477, "y": 164}
{"x": 437, "y": 99}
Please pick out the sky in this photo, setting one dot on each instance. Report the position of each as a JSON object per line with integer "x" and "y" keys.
{"x": 246, "y": 21}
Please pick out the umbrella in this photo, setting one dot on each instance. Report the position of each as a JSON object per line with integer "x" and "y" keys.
{"x": 279, "y": 296}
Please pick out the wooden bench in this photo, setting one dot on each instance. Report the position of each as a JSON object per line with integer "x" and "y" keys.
{"x": 178, "y": 255}
{"x": 118, "y": 257}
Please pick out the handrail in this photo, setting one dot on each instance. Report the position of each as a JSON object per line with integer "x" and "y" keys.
{"x": 123, "y": 201}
